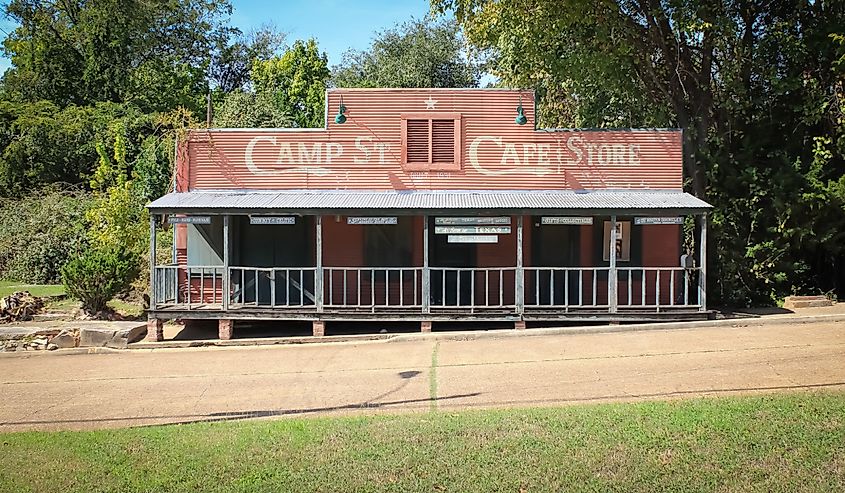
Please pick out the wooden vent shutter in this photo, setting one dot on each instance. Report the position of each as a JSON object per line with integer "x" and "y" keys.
{"x": 443, "y": 141}
{"x": 431, "y": 141}
{"x": 417, "y": 141}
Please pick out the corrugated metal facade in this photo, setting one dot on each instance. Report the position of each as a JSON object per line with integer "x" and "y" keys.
{"x": 365, "y": 153}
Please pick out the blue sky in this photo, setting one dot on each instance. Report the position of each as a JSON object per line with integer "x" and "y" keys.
{"x": 336, "y": 25}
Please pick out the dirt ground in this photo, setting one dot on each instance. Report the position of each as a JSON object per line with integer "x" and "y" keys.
{"x": 140, "y": 387}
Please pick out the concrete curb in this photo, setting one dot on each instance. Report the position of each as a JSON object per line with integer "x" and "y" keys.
{"x": 445, "y": 336}
{"x": 60, "y": 352}
{"x": 602, "y": 329}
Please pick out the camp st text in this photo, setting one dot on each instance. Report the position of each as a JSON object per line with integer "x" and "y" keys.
{"x": 263, "y": 152}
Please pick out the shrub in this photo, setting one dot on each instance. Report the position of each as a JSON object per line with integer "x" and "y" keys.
{"x": 39, "y": 232}
{"x": 97, "y": 275}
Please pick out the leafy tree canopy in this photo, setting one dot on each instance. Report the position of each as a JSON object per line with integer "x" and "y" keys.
{"x": 418, "y": 53}
{"x": 297, "y": 79}
{"x": 756, "y": 86}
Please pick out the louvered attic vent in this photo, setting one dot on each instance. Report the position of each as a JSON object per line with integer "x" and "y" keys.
{"x": 431, "y": 142}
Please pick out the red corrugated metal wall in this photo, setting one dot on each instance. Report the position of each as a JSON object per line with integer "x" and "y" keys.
{"x": 366, "y": 152}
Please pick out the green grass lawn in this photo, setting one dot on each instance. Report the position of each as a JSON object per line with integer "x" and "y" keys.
{"x": 9, "y": 287}
{"x": 63, "y": 304}
{"x": 784, "y": 443}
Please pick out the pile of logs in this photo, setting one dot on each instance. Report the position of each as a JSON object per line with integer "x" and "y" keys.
{"x": 19, "y": 307}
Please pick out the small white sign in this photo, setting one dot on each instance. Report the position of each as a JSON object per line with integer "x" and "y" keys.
{"x": 272, "y": 219}
{"x": 473, "y": 239}
{"x": 658, "y": 220}
{"x": 461, "y": 221}
{"x": 189, "y": 219}
{"x": 567, "y": 220}
{"x": 452, "y": 230}
{"x": 371, "y": 220}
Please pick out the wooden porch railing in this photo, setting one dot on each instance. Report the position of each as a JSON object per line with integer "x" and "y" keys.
{"x": 471, "y": 289}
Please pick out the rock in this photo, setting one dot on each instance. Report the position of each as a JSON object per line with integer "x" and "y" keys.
{"x": 128, "y": 335}
{"x": 52, "y": 347}
{"x": 64, "y": 340}
{"x": 792, "y": 302}
{"x": 95, "y": 336}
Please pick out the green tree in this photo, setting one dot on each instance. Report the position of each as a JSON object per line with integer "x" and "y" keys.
{"x": 418, "y": 53}
{"x": 247, "y": 109}
{"x": 297, "y": 79}
{"x": 756, "y": 87}
{"x": 154, "y": 54}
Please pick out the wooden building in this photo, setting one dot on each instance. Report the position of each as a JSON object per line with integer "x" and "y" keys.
{"x": 429, "y": 205}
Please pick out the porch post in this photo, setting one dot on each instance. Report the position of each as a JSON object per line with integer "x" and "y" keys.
{"x": 702, "y": 262}
{"x": 227, "y": 278}
{"x": 153, "y": 293}
{"x": 520, "y": 271}
{"x": 318, "y": 277}
{"x": 612, "y": 288}
{"x": 426, "y": 274}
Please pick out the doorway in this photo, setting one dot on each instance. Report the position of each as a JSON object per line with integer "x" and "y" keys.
{"x": 553, "y": 245}
{"x": 449, "y": 287}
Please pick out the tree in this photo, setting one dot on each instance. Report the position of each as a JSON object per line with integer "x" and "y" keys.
{"x": 756, "y": 87}
{"x": 418, "y": 53}
{"x": 297, "y": 79}
{"x": 247, "y": 109}
{"x": 231, "y": 63}
{"x": 81, "y": 52}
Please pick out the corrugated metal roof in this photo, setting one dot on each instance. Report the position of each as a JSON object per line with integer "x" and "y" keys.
{"x": 336, "y": 201}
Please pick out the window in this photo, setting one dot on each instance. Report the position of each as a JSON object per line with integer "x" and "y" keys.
{"x": 623, "y": 241}
{"x": 389, "y": 245}
{"x": 431, "y": 142}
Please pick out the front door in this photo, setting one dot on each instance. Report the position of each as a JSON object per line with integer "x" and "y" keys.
{"x": 553, "y": 245}
{"x": 450, "y": 287}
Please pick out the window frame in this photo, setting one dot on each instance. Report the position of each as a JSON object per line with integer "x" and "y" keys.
{"x": 624, "y": 242}
{"x": 431, "y": 165}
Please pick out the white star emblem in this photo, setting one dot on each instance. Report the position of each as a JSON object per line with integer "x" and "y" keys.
{"x": 429, "y": 103}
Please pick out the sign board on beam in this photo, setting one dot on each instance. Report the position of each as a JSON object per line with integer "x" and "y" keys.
{"x": 658, "y": 220}
{"x": 567, "y": 220}
{"x": 452, "y": 230}
{"x": 371, "y": 220}
{"x": 189, "y": 219}
{"x": 473, "y": 239}
{"x": 272, "y": 219}
{"x": 463, "y": 221}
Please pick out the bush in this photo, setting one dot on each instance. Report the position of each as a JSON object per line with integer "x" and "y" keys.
{"x": 96, "y": 276}
{"x": 40, "y": 232}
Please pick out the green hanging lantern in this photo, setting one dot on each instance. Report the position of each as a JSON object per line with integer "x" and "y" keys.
{"x": 520, "y": 113}
{"x": 340, "y": 118}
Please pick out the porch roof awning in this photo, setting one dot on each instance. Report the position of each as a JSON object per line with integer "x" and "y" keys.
{"x": 428, "y": 201}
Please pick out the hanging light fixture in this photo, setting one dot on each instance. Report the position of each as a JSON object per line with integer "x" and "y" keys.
{"x": 520, "y": 113}
{"x": 340, "y": 118}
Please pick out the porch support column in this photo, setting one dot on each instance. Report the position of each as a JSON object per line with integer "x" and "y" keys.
{"x": 612, "y": 285}
{"x": 227, "y": 278}
{"x": 702, "y": 263}
{"x": 155, "y": 330}
{"x": 426, "y": 274}
{"x": 153, "y": 291}
{"x": 318, "y": 276}
{"x": 520, "y": 271}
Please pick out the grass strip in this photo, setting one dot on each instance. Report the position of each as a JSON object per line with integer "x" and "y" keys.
{"x": 784, "y": 443}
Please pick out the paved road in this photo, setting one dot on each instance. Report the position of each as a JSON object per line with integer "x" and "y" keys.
{"x": 88, "y": 391}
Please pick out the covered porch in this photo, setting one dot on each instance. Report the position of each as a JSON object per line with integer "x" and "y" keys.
{"x": 430, "y": 256}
